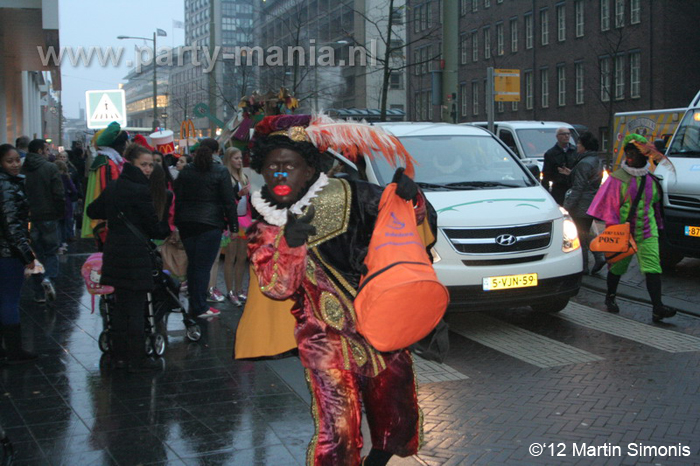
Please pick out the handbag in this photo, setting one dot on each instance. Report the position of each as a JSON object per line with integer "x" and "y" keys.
{"x": 616, "y": 241}
{"x": 174, "y": 258}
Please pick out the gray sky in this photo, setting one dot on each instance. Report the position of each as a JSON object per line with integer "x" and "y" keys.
{"x": 98, "y": 23}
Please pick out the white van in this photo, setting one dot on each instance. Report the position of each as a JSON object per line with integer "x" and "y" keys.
{"x": 681, "y": 186}
{"x": 502, "y": 240}
{"x": 529, "y": 140}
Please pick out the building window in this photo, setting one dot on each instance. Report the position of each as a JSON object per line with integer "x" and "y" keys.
{"x": 396, "y": 80}
{"x": 416, "y": 100}
{"x": 528, "y": 31}
{"x": 619, "y": 77}
{"x": 475, "y": 46}
{"x": 487, "y": 42}
{"x": 463, "y": 99}
{"x": 514, "y": 35}
{"x": 464, "y": 52}
{"x": 604, "y": 138}
{"x": 578, "y": 68}
{"x": 619, "y": 13}
{"x": 544, "y": 81}
{"x": 528, "y": 90}
{"x": 561, "y": 23}
{"x": 500, "y": 107}
{"x": 416, "y": 62}
{"x": 604, "y": 65}
{"x": 424, "y": 106}
{"x": 463, "y": 7}
{"x": 416, "y": 20}
{"x": 561, "y": 85}
{"x": 487, "y": 3}
{"x": 499, "y": 39}
{"x": 475, "y": 6}
{"x": 635, "y": 69}
{"x": 578, "y": 9}
{"x": 604, "y": 15}
{"x": 514, "y": 106}
{"x": 635, "y": 12}
{"x": 544, "y": 25}
{"x": 429, "y": 13}
{"x": 475, "y": 98}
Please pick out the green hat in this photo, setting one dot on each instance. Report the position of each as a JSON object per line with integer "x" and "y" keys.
{"x": 634, "y": 137}
{"x": 109, "y": 135}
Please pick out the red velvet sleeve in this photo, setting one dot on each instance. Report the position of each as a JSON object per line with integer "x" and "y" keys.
{"x": 279, "y": 268}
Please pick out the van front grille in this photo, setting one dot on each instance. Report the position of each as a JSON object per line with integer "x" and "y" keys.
{"x": 684, "y": 201}
{"x": 500, "y": 240}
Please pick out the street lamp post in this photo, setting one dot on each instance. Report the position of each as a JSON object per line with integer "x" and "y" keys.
{"x": 158, "y": 32}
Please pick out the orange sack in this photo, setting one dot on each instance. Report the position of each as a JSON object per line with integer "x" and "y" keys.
{"x": 399, "y": 300}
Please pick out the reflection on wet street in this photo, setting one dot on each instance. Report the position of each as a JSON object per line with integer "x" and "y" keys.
{"x": 202, "y": 407}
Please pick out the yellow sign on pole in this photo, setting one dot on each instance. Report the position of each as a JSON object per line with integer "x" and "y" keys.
{"x": 507, "y": 85}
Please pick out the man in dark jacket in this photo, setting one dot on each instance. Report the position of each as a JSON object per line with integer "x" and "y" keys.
{"x": 556, "y": 160}
{"x": 46, "y": 207}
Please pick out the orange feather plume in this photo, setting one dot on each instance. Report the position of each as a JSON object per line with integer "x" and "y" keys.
{"x": 354, "y": 139}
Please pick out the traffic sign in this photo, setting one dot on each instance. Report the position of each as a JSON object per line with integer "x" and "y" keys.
{"x": 104, "y": 107}
{"x": 507, "y": 85}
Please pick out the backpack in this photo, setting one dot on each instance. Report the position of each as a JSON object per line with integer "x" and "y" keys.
{"x": 399, "y": 300}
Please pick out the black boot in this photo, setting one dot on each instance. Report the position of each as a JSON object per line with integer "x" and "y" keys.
{"x": 376, "y": 458}
{"x": 610, "y": 302}
{"x": 12, "y": 335}
{"x": 3, "y": 353}
{"x": 660, "y": 311}
{"x": 599, "y": 262}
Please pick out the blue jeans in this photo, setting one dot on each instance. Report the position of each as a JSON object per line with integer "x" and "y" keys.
{"x": 11, "y": 278}
{"x": 202, "y": 250}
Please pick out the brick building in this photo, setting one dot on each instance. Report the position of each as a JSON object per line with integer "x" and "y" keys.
{"x": 580, "y": 61}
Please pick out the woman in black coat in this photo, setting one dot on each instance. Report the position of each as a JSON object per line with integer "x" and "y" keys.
{"x": 204, "y": 207}
{"x": 15, "y": 254}
{"x": 126, "y": 263}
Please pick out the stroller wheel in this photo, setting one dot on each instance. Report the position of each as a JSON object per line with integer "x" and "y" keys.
{"x": 103, "y": 341}
{"x": 158, "y": 343}
{"x": 194, "y": 333}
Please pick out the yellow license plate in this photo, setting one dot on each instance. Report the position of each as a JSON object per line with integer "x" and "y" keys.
{"x": 692, "y": 231}
{"x": 505, "y": 282}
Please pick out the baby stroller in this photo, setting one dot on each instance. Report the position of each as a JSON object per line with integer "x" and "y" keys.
{"x": 162, "y": 300}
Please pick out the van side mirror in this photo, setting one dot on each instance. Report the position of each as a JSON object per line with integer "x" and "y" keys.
{"x": 534, "y": 169}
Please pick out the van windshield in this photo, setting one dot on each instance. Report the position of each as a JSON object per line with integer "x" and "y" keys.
{"x": 686, "y": 142}
{"x": 459, "y": 163}
{"x": 537, "y": 141}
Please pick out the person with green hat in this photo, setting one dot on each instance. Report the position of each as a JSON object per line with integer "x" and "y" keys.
{"x": 106, "y": 166}
{"x": 613, "y": 204}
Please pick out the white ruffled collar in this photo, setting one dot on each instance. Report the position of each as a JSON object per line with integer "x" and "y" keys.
{"x": 278, "y": 215}
{"x": 111, "y": 153}
{"x": 634, "y": 171}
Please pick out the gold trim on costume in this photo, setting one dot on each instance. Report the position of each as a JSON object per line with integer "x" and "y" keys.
{"x": 311, "y": 449}
{"x": 358, "y": 352}
{"x": 295, "y": 133}
{"x": 275, "y": 258}
{"x": 328, "y": 221}
{"x": 332, "y": 311}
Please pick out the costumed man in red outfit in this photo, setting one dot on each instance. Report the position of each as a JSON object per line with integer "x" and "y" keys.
{"x": 309, "y": 245}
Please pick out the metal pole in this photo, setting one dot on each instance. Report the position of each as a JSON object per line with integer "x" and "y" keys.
{"x": 155, "y": 85}
{"x": 490, "y": 98}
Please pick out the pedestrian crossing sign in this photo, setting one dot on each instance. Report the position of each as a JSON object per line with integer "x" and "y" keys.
{"x": 104, "y": 107}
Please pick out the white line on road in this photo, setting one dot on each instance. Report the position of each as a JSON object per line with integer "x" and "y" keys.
{"x": 656, "y": 337}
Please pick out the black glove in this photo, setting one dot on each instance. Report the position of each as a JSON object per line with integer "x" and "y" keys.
{"x": 405, "y": 187}
{"x": 299, "y": 229}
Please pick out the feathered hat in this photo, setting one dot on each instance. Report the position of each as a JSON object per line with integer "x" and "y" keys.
{"x": 141, "y": 140}
{"x": 647, "y": 150}
{"x": 351, "y": 139}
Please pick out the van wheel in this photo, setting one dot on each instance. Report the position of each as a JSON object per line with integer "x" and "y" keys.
{"x": 554, "y": 305}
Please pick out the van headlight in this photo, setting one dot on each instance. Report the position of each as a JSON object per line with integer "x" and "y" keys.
{"x": 571, "y": 241}
{"x": 434, "y": 254}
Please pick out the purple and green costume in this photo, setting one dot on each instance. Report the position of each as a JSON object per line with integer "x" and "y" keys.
{"x": 612, "y": 205}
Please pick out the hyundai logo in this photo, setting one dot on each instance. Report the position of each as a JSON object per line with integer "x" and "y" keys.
{"x": 506, "y": 240}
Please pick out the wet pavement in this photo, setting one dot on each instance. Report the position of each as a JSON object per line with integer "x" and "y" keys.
{"x": 512, "y": 379}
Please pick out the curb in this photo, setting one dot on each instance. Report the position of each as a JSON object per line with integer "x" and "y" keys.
{"x": 640, "y": 295}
